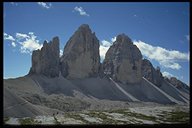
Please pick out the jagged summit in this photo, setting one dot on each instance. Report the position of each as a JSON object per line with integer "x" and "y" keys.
{"x": 46, "y": 60}
{"x": 81, "y": 54}
{"x": 84, "y": 27}
{"x": 123, "y": 61}
{"x": 177, "y": 83}
{"x": 77, "y": 81}
{"x": 150, "y": 73}
{"x": 122, "y": 38}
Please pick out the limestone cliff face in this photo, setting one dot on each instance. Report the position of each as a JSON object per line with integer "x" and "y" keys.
{"x": 123, "y": 61}
{"x": 46, "y": 60}
{"x": 177, "y": 83}
{"x": 150, "y": 73}
{"x": 81, "y": 54}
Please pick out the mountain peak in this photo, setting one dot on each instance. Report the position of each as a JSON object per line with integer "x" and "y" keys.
{"x": 81, "y": 54}
{"x": 46, "y": 60}
{"x": 123, "y": 61}
{"x": 123, "y": 38}
{"x": 84, "y": 28}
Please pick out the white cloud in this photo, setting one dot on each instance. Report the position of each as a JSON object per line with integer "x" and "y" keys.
{"x": 27, "y": 42}
{"x": 113, "y": 39}
{"x": 13, "y": 44}
{"x": 31, "y": 33}
{"x": 104, "y": 46}
{"x": 167, "y": 74}
{"x": 21, "y": 36}
{"x": 166, "y": 58}
{"x": 13, "y": 3}
{"x": 106, "y": 43}
{"x": 81, "y": 11}
{"x": 44, "y": 5}
{"x": 61, "y": 52}
{"x": 187, "y": 37}
{"x": 8, "y": 37}
{"x": 30, "y": 43}
{"x": 102, "y": 51}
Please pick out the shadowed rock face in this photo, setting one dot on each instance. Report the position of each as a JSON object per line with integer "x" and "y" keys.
{"x": 147, "y": 70}
{"x": 46, "y": 60}
{"x": 123, "y": 61}
{"x": 177, "y": 83}
{"x": 150, "y": 73}
{"x": 81, "y": 54}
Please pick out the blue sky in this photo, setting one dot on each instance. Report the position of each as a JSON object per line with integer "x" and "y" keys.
{"x": 160, "y": 30}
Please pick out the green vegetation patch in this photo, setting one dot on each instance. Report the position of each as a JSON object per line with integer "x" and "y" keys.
{"x": 178, "y": 117}
{"x": 136, "y": 115}
{"x": 102, "y": 116}
{"x": 106, "y": 119}
{"x": 6, "y": 119}
{"x": 76, "y": 116}
{"x": 28, "y": 121}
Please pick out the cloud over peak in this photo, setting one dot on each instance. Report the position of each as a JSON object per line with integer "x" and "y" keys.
{"x": 104, "y": 46}
{"x": 81, "y": 11}
{"x": 29, "y": 44}
{"x": 166, "y": 58}
{"x": 167, "y": 74}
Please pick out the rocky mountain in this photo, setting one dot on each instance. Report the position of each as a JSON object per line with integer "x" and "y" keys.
{"x": 123, "y": 61}
{"x": 46, "y": 60}
{"x": 81, "y": 54}
{"x": 77, "y": 81}
{"x": 150, "y": 73}
{"x": 177, "y": 83}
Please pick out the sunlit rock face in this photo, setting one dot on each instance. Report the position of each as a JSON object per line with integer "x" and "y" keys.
{"x": 81, "y": 55}
{"x": 123, "y": 61}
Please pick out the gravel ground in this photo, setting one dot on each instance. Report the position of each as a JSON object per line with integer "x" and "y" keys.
{"x": 132, "y": 115}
